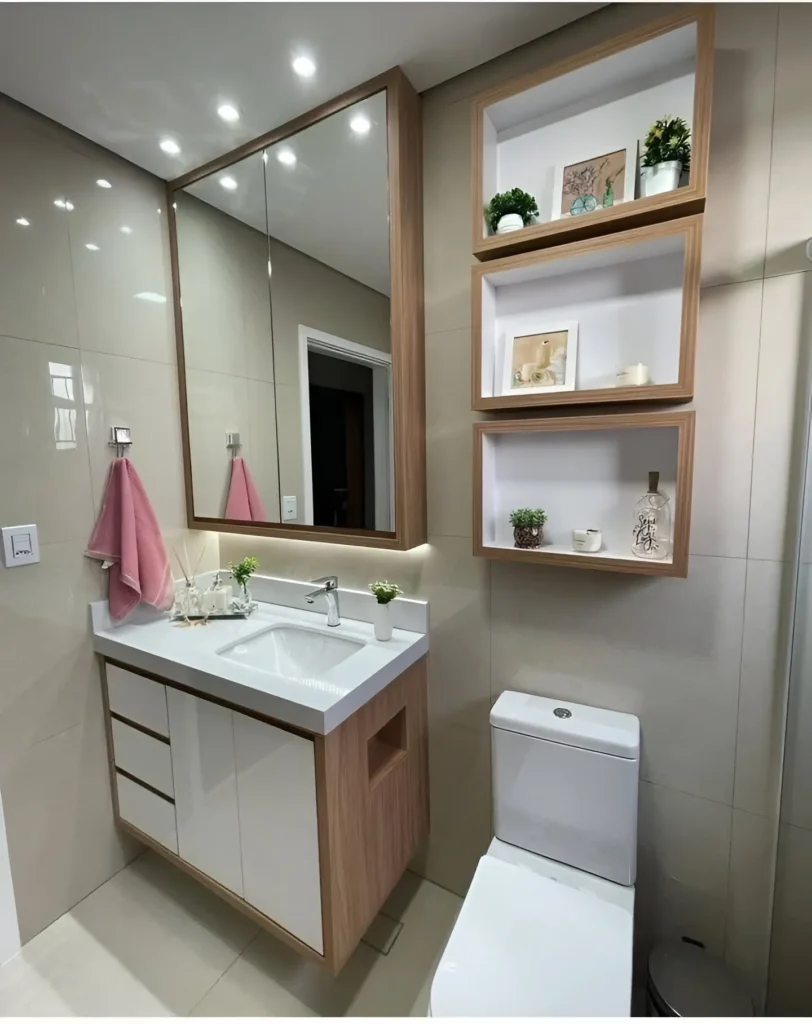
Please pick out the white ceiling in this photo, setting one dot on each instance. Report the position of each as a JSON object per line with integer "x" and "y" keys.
{"x": 126, "y": 74}
{"x": 333, "y": 204}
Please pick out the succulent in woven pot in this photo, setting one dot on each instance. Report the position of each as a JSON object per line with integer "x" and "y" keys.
{"x": 528, "y": 526}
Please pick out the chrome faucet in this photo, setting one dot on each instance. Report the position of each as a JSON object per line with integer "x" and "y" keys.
{"x": 330, "y": 591}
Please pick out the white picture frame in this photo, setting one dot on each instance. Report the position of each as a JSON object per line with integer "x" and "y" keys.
{"x": 630, "y": 177}
{"x": 509, "y": 387}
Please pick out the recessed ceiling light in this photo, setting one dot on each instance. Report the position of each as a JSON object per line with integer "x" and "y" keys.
{"x": 228, "y": 183}
{"x": 68, "y": 205}
{"x": 360, "y": 124}
{"x": 304, "y": 67}
{"x": 103, "y": 183}
{"x": 169, "y": 146}
{"x": 228, "y": 113}
{"x": 287, "y": 157}
{"x": 92, "y": 246}
{"x": 63, "y": 204}
{"x": 24, "y": 222}
{"x": 125, "y": 230}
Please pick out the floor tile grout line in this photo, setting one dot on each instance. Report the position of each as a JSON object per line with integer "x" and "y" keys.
{"x": 220, "y": 977}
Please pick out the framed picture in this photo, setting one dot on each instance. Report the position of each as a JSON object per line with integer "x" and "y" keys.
{"x": 595, "y": 183}
{"x": 541, "y": 362}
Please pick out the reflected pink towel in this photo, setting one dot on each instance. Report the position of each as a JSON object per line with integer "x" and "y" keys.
{"x": 127, "y": 534}
{"x": 243, "y": 500}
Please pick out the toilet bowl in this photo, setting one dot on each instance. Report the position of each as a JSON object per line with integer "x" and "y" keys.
{"x": 540, "y": 935}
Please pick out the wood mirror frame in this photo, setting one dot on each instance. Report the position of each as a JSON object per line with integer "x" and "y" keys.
{"x": 404, "y": 138}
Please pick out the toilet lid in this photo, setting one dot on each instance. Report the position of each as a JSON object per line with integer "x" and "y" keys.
{"x": 526, "y": 945}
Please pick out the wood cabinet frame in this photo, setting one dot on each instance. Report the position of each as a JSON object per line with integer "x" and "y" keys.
{"x": 404, "y": 139}
{"x": 682, "y": 390}
{"x": 683, "y": 421}
{"x": 370, "y": 824}
{"x": 646, "y": 210}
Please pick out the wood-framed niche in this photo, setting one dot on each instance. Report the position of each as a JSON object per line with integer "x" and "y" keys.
{"x": 603, "y": 99}
{"x": 408, "y": 415}
{"x": 633, "y": 296}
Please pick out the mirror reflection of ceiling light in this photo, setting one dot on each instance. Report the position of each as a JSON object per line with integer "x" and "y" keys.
{"x": 63, "y": 204}
{"x": 92, "y": 246}
{"x": 24, "y": 222}
{"x": 169, "y": 146}
{"x": 103, "y": 183}
{"x": 360, "y": 124}
{"x": 125, "y": 230}
{"x": 265, "y": 157}
{"x": 286, "y": 157}
{"x": 228, "y": 112}
{"x": 150, "y": 297}
{"x": 304, "y": 67}
{"x": 228, "y": 183}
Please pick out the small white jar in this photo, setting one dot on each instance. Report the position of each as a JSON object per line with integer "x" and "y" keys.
{"x": 510, "y": 222}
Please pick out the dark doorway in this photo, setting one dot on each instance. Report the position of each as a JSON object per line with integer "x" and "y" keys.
{"x": 341, "y": 442}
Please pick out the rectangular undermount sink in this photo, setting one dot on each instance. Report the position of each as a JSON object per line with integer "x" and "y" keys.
{"x": 289, "y": 650}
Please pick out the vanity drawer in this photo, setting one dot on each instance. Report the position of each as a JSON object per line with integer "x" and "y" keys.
{"x": 143, "y": 756}
{"x": 148, "y": 812}
{"x": 140, "y": 699}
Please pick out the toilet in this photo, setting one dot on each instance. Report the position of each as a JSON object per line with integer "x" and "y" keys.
{"x": 546, "y": 928}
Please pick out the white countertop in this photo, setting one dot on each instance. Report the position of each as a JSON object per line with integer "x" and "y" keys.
{"x": 188, "y": 655}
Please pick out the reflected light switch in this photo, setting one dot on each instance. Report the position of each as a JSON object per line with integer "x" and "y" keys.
{"x": 288, "y": 508}
{"x": 20, "y": 545}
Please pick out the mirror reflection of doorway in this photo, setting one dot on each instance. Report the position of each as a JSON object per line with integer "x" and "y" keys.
{"x": 345, "y": 391}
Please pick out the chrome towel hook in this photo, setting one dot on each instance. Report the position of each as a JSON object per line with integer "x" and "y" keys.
{"x": 120, "y": 439}
{"x": 233, "y": 442}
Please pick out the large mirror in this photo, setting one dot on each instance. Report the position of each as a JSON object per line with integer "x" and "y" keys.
{"x": 283, "y": 272}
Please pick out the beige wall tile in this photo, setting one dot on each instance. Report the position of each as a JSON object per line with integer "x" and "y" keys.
{"x": 791, "y": 950}
{"x": 123, "y": 288}
{"x": 749, "y": 910}
{"x": 262, "y": 456}
{"x": 790, "y": 224}
{"x": 142, "y": 395}
{"x": 666, "y": 650}
{"x": 682, "y": 872}
{"x": 735, "y": 227}
{"x": 725, "y": 403}
{"x": 59, "y": 821}
{"x": 768, "y": 607}
{"x": 460, "y": 777}
{"x": 447, "y": 215}
{"x": 449, "y": 433}
{"x": 44, "y": 470}
{"x": 36, "y": 284}
{"x": 796, "y": 805}
{"x": 780, "y": 438}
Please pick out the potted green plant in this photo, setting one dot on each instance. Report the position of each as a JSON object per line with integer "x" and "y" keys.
{"x": 528, "y": 526}
{"x": 667, "y": 155}
{"x": 510, "y": 211}
{"x": 384, "y": 593}
{"x": 242, "y": 572}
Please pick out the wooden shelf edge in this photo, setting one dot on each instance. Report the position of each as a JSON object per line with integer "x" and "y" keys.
{"x": 676, "y": 568}
{"x": 599, "y": 396}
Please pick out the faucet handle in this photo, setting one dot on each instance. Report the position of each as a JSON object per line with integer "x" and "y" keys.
{"x": 330, "y": 582}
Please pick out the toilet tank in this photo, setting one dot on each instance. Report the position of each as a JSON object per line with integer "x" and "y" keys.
{"x": 565, "y": 782}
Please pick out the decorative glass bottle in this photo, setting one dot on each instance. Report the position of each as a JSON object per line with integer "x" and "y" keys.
{"x": 652, "y": 522}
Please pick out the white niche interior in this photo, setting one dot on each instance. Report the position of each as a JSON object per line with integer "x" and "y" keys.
{"x": 584, "y": 479}
{"x": 607, "y": 105}
{"x": 634, "y": 301}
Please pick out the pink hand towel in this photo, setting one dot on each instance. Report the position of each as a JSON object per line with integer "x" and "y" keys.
{"x": 243, "y": 500}
{"x": 127, "y": 534}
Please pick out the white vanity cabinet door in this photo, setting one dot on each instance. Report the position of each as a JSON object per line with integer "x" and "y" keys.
{"x": 205, "y": 787}
{"x": 276, "y": 784}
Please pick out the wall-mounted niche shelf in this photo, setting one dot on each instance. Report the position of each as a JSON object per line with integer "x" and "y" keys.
{"x": 586, "y": 472}
{"x": 632, "y": 295}
{"x": 602, "y": 100}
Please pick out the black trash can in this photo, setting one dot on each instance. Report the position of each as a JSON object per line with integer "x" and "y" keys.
{"x": 684, "y": 981}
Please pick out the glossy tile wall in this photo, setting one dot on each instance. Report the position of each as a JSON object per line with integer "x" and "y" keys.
{"x": 86, "y": 341}
{"x": 701, "y": 661}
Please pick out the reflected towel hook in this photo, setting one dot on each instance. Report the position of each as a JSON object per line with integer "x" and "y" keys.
{"x": 120, "y": 439}
{"x": 233, "y": 442}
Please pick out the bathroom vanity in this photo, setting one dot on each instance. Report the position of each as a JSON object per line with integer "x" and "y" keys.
{"x": 280, "y": 762}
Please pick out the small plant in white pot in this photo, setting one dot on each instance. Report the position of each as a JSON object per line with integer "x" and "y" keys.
{"x": 510, "y": 211}
{"x": 384, "y": 593}
{"x": 667, "y": 155}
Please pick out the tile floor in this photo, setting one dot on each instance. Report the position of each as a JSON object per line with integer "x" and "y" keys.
{"x": 152, "y": 942}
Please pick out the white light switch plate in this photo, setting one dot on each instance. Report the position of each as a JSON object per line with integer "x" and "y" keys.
{"x": 288, "y": 508}
{"x": 20, "y": 545}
